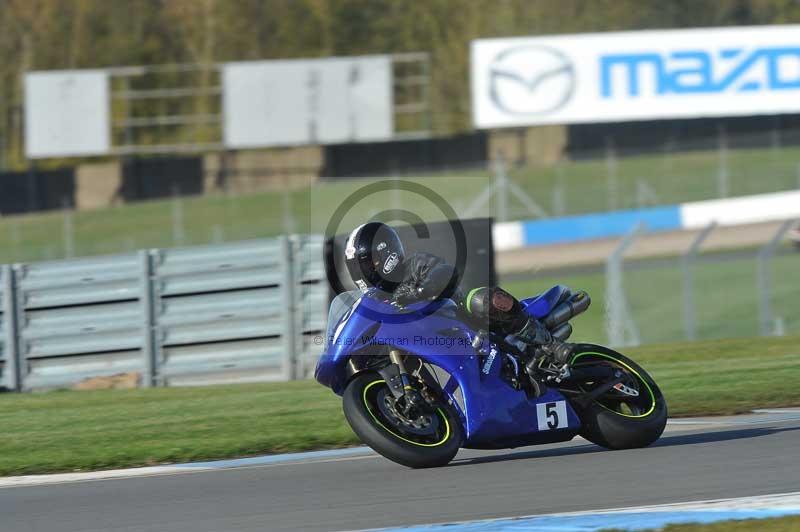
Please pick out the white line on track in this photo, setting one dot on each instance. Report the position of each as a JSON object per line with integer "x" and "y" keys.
{"x": 771, "y": 416}
{"x": 779, "y": 503}
{"x": 783, "y": 417}
{"x": 687, "y": 422}
{"x": 178, "y": 469}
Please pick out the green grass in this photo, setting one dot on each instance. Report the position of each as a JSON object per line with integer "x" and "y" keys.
{"x": 71, "y": 431}
{"x": 671, "y": 178}
{"x": 584, "y": 186}
{"x": 776, "y": 524}
{"x": 725, "y": 296}
{"x": 724, "y": 376}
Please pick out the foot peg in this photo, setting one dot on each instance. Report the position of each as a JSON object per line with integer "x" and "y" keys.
{"x": 549, "y": 362}
{"x": 537, "y": 386}
{"x": 560, "y": 352}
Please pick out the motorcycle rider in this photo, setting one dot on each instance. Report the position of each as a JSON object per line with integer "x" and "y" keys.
{"x": 375, "y": 258}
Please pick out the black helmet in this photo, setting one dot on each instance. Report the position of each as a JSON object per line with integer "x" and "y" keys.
{"x": 374, "y": 256}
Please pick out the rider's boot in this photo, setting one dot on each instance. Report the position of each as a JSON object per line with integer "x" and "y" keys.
{"x": 496, "y": 310}
{"x": 533, "y": 338}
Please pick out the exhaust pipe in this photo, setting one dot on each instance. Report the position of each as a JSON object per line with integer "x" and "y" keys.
{"x": 567, "y": 310}
{"x": 562, "y": 332}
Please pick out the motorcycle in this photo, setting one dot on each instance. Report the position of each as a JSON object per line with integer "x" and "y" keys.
{"x": 418, "y": 383}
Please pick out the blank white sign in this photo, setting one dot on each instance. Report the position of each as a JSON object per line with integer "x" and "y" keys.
{"x": 67, "y": 114}
{"x": 307, "y": 101}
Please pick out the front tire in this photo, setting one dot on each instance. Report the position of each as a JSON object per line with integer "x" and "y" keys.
{"x": 610, "y": 421}
{"x": 365, "y": 403}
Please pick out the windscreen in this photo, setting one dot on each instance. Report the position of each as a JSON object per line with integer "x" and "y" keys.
{"x": 339, "y": 307}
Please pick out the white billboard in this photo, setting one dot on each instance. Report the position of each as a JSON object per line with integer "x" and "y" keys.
{"x": 67, "y": 114}
{"x": 637, "y": 75}
{"x": 307, "y": 101}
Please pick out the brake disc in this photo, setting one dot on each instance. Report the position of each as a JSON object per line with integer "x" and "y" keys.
{"x": 424, "y": 424}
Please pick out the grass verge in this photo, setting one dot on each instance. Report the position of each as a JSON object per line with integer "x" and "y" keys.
{"x": 78, "y": 431}
{"x": 776, "y": 524}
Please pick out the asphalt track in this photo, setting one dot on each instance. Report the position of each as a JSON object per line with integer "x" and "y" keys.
{"x": 694, "y": 460}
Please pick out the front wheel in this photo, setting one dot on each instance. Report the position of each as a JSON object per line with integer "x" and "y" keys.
{"x": 630, "y": 415}
{"x": 429, "y": 438}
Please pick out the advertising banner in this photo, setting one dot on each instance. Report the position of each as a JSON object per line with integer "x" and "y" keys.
{"x": 637, "y": 75}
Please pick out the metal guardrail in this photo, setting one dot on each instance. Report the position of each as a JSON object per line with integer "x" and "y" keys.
{"x": 5, "y": 365}
{"x": 238, "y": 312}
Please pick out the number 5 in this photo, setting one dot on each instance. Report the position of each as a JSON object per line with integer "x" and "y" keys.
{"x": 552, "y": 416}
{"x": 550, "y": 408}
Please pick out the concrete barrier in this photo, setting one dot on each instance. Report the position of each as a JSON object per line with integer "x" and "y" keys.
{"x": 725, "y": 212}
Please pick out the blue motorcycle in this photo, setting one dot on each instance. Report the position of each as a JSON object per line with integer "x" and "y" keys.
{"x": 418, "y": 383}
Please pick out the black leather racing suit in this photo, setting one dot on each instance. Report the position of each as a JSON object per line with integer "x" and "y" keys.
{"x": 427, "y": 276}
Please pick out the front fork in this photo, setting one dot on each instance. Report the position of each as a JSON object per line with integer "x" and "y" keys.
{"x": 400, "y": 382}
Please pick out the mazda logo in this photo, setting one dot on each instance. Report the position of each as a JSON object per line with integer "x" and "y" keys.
{"x": 531, "y": 80}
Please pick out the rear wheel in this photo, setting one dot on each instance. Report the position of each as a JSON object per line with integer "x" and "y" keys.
{"x": 427, "y": 437}
{"x": 630, "y": 415}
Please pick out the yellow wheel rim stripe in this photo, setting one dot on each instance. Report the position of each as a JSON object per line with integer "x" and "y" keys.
{"x": 439, "y": 410}
{"x": 650, "y": 391}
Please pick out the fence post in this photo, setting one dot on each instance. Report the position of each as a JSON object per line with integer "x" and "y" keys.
{"x": 764, "y": 279}
{"x": 149, "y": 330}
{"x": 558, "y": 208}
{"x": 798, "y": 175}
{"x": 396, "y": 199}
{"x": 618, "y": 316}
{"x": 645, "y": 195}
{"x": 178, "y": 227}
{"x": 723, "y": 176}
{"x": 69, "y": 230}
{"x": 289, "y": 315}
{"x": 12, "y": 378}
{"x": 288, "y": 217}
{"x": 217, "y": 234}
{"x": 501, "y": 188}
{"x": 687, "y": 264}
{"x": 612, "y": 185}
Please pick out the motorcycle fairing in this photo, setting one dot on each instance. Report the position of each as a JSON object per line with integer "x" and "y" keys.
{"x": 491, "y": 410}
{"x": 541, "y": 305}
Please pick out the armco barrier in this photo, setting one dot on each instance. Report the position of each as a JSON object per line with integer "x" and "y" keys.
{"x": 78, "y": 319}
{"x": 236, "y": 312}
{"x": 312, "y": 297}
{"x": 7, "y": 356}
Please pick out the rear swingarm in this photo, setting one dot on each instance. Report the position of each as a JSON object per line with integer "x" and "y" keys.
{"x": 604, "y": 374}
{"x": 584, "y": 400}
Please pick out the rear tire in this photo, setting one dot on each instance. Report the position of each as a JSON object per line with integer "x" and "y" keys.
{"x": 375, "y": 430}
{"x": 615, "y": 430}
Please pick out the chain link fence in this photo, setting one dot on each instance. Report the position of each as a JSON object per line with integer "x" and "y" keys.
{"x": 699, "y": 291}
{"x": 703, "y": 294}
{"x": 504, "y": 188}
